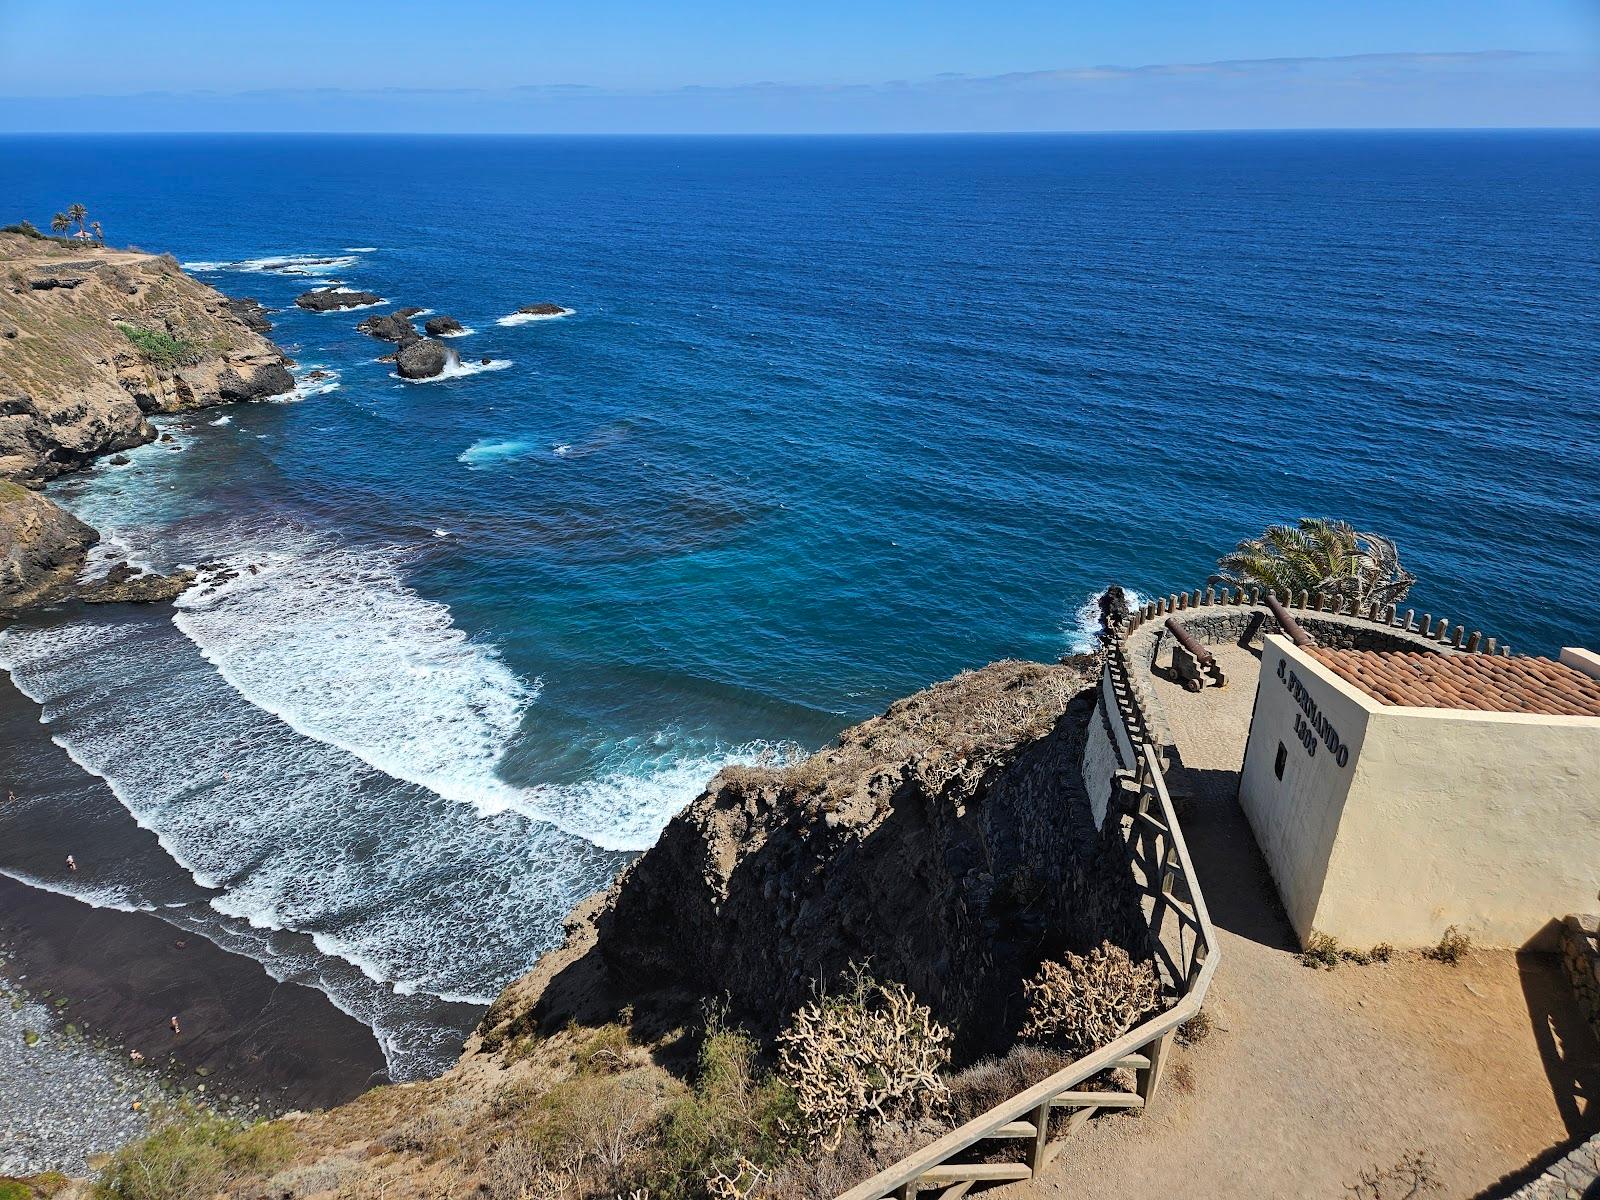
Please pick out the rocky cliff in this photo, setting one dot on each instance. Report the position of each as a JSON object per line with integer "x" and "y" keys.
{"x": 948, "y": 842}
{"x": 41, "y": 548}
{"x": 92, "y": 341}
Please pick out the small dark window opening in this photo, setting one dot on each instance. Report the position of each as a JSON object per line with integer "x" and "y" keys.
{"x": 1283, "y": 757}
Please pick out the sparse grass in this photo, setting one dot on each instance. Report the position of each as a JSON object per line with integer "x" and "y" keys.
{"x": 191, "y": 1153}
{"x": 604, "y": 1051}
{"x": 1325, "y": 951}
{"x": 1452, "y": 948}
{"x": 160, "y": 349}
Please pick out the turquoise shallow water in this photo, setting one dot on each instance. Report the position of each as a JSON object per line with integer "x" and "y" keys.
{"x": 829, "y": 419}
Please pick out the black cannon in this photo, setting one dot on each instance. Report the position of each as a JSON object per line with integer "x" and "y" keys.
{"x": 1192, "y": 663}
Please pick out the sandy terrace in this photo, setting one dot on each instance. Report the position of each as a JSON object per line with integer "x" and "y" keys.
{"x": 1312, "y": 1076}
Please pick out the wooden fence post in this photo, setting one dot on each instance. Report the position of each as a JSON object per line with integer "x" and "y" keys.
{"x": 1150, "y": 1077}
{"x": 1041, "y": 1139}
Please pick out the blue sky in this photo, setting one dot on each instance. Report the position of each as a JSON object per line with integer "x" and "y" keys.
{"x": 826, "y": 65}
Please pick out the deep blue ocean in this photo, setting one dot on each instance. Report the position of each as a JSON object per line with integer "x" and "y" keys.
{"x": 829, "y": 419}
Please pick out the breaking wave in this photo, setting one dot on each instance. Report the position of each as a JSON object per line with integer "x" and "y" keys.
{"x": 456, "y": 369}
{"x": 313, "y": 265}
{"x": 522, "y": 318}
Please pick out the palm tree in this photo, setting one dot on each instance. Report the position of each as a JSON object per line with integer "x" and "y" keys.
{"x": 80, "y": 214}
{"x": 1318, "y": 555}
{"x": 61, "y": 222}
{"x": 99, "y": 233}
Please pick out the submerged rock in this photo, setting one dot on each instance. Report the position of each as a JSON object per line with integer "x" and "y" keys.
{"x": 422, "y": 359}
{"x": 334, "y": 299}
{"x": 390, "y": 327}
{"x": 439, "y": 326}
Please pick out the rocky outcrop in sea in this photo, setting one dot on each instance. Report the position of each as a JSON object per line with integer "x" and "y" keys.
{"x": 335, "y": 299}
{"x": 422, "y": 359}
{"x": 441, "y": 326}
{"x": 390, "y": 327}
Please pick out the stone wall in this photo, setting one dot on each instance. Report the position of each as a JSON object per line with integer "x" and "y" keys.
{"x": 1575, "y": 1177}
{"x": 1581, "y": 956}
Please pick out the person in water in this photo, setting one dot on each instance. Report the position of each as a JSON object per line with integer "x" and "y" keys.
{"x": 72, "y": 863}
{"x": 174, "y": 1023}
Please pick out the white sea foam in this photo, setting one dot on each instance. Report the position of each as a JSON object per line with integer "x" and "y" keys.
{"x": 464, "y": 331}
{"x": 561, "y": 449}
{"x": 457, "y": 369}
{"x": 224, "y": 419}
{"x": 371, "y": 667}
{"x": 1083, "y": 634}
{"x": 488, "y": 452}
{"x": 522, "y": 318}
{"x": 360, "y": 249}
{"x": 305, "y": 387}
{"x": 281, "y": 264}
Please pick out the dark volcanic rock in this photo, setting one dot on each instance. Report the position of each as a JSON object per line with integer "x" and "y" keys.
{"x": 125, "y": 584}
{"x": 421, "y": 359}
{"x": 334, "y": 299}
{"x": 948, "y": 842}
{"x": 439, "y": 326}
{"x": 410, "y": 310}
{"x": 543, "y": 309}
{"x": 254, "y": 382}
{"x": 391, "y": 327}
{"x": 250, "y": 313}
{"x": 42, "y": 546}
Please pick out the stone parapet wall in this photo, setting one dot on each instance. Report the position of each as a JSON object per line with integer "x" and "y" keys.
{"x": 1580, "y": 954}
{"x": 1574, "y": 1177}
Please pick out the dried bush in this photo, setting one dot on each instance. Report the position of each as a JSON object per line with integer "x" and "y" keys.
{"x": 1452, "y": 947}
{"x": 193, "y": 1152}
{"x": 871, "y": 1053}
{"x": 985, "y": 1084}
{"x": 1196, "y": 1029}
{"x": 735, "y": 1123}
{"x": 1087, "y": 1000}
{"x": 311, "y": 1179}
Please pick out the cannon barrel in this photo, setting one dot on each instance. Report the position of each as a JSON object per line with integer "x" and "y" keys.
{"x": 1288, "y": 624}
{"x": 1201, "y": 654}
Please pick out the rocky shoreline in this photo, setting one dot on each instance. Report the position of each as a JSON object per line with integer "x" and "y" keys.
{"x": 94, "y": 341}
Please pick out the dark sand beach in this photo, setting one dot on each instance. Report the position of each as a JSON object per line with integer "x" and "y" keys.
{"x": 96, "y": 983}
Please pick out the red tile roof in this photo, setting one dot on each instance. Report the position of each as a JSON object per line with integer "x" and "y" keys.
{"x": 1485, "y": 682}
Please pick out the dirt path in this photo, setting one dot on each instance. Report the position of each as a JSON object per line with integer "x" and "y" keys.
{"x": 1311, "y": 1076}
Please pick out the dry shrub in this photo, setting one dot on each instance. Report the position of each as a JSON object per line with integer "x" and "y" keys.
{"x": 872, "y": 1053}
{"x": 1086, "y": 1001}
{"x": 1452, "y": 947}
{"x": 731, "y": 1129}
{"x": 1196, "y": 1029}
{"x": 985, "y": 1084}
{"x": 858, "y": 1156}
{"x": 311, "y": 1179}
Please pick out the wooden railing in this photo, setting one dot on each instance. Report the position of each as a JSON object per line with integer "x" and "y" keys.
{"x": 1186, "y": 954}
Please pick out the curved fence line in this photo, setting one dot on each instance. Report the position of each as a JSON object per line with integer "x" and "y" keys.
{"x": 1184, "y": 940}
{"x": 1186, "y": 954}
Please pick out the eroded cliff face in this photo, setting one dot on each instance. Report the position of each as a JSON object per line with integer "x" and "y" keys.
{"x": 74, "y": 385}
{"x": 947, "y": 842}
{"x": 41, "y": 548}
{"x": 92, "y": 340}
